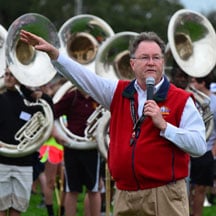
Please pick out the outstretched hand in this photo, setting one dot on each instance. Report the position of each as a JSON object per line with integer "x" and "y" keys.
{"x": 39, "y": 44}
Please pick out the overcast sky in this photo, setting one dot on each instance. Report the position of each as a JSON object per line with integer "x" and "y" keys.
{"x": 200, "y": 5}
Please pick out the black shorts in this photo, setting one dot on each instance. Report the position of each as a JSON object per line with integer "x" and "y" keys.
{"x": 38, "y": 166}
{"x": 82, "y": 168}
{"x": 202, "y": 170}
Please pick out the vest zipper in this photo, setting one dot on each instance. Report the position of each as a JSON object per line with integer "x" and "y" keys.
{"x": 133, "y": 144}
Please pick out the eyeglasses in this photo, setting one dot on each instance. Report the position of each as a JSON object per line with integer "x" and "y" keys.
{"x": 145, "y": 59}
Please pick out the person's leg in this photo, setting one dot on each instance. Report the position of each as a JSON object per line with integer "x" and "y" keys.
{"x": 50, "y": 175}
{"x": 202, "y": 178}
{"x": 60, "y": 188}
{"x": 34, "y": 186}
{"x": 3, "y": 213}
{"x": 50, "y": 172}
{"x": 43, "y": 182}
{"x": 197, "y": 197}
{"x": 86, "y": 205}
{"x": 92, "y": 182}
{"x": 94, "y": 204}
{"x": 13, "y": 212}
{"x": 70, "y": 203}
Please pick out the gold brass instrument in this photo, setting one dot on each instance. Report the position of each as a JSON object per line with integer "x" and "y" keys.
{"x": 192, "y": 45}
{"x": 81, "y": 38}
{"x": 112, "y": 61}
{"x": 33, "y": 69}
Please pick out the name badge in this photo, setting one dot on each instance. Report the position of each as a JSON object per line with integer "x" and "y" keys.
{"x": 25, "y": 116}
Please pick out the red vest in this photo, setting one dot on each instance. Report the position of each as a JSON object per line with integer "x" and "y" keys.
{"x": 153, "y": 160}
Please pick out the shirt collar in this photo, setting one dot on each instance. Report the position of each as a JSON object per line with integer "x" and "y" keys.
{"x": 156, "y": 87}
{"x": 161, "y": 89}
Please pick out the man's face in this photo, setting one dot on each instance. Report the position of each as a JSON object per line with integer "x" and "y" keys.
{"x": 180, "y": 79}
{"x": 9, "y": 79}
{"x": 148, "y": 61}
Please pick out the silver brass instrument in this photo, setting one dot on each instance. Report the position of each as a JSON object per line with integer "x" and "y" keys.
{"x": 81, "y": 38}
{"x": 102, "y": 134}
{"x": 71, "y": 140}
{"x": 32, "y": 134}
{"x": 203, "y": 105}
{"x": 112, "y": 61}
{"x": 33, "y": 69}
{"x": 192, "y": 45}
{"x": 192, "y": 39}
{"x": 82, "y": 35}
{"x": 3, "y": 36}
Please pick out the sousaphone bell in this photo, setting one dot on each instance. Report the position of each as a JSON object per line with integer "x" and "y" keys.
{"x": 192, "y": 45}
{"x": 113, "y": 59}
{"x": 192, "y": 41}
{"x": 31, "y": 68}
{"x": 81, "y": 37}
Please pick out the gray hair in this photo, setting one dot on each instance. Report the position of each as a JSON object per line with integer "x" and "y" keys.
{"x": 146, "y": 36}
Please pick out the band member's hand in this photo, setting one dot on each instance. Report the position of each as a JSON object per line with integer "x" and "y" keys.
{"x": 152, "y": 110}
{"x": 39, "y": 44}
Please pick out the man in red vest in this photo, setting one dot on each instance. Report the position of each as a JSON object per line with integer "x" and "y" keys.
{"x": 152, "y": 130}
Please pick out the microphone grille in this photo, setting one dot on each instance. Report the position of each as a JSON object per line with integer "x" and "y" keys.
{"x": 150, "y": 81}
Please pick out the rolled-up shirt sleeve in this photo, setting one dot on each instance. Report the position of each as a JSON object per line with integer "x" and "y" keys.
{"x": 190, "y": 135}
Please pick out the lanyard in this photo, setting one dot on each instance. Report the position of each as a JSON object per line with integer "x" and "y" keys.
{"x": 136, "y": 122}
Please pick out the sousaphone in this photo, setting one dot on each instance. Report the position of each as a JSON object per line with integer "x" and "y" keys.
{"x": 81, "y": 38}
{"x": 31, "y": 68}
{"x": 192, "y": 45}
{"x": 113, "y": 62}
{"x": 113, "y": 59}
{"x": 192, "y": 42}
{"x": 3, "y": 36}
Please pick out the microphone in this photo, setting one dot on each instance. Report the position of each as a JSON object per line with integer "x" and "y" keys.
{"x": 150, "y": 82}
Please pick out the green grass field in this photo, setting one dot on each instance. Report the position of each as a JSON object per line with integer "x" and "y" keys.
{"x": 35, "y": 210}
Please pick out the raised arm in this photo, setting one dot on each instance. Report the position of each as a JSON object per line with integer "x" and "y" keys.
{"x": 39, "y": 44}
{"x": 97, "y": 87}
